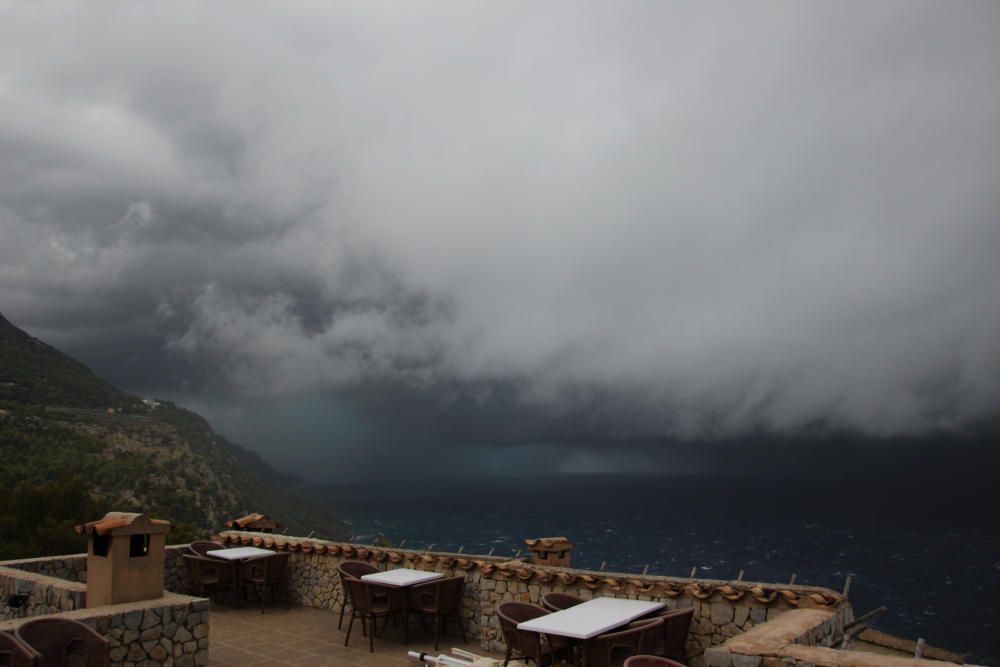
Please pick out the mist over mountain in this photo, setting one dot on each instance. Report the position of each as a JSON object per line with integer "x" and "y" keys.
{"x": 61, "y": 424}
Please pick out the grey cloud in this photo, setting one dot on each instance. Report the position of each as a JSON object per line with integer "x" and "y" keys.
{"x": 639, "y": 220}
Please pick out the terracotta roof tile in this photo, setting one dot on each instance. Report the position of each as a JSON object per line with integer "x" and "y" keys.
{"x": 521, "y": 571}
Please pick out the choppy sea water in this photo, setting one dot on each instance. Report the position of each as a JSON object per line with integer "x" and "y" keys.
{"x": 928, "y": 552}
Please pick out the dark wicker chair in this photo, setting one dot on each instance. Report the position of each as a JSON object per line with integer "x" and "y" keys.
{"x": 203, "y": 547}
{"x": 671, "y": 642}
{"x": 524, "y": 644}
{"x": 16, "y": 653}
{"x": 370, "y": 602}
{"x": 210, "y": 576}
{"x": 267, "y": 574}
{"x": 650, "y": 661}
{"x": 560, "y": 601}
{"x": 439, "y": 599}
{"x": 354, "y": 569}
{"x": 612, "y": 648}
{"x": 63, "y": 641}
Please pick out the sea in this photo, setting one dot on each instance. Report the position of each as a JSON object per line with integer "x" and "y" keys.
{"x": 928, "y": 550}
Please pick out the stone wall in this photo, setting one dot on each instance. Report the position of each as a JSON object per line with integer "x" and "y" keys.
{"x": 70, "y": 568}
{"x": 723, "y": 609}
{"x": 37, "y": 594}
{"x": 168, "y": 630}
{"x": 74, "y": 567}
{"x": 175, "y": 574}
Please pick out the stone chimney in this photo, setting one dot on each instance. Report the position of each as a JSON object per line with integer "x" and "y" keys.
{"x": 125, "y": 557}
{"x": 550, "y": 550}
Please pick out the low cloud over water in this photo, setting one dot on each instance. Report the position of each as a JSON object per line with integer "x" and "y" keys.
{"x": 516, "y": 223}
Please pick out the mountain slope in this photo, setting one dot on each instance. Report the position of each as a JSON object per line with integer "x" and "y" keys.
{"x": 58, "y": 420}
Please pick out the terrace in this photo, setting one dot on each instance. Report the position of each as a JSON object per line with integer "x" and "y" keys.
{"x": 736, "y": 623}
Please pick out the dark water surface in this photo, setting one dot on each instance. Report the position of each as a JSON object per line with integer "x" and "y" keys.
{"x": 928, "y": 550}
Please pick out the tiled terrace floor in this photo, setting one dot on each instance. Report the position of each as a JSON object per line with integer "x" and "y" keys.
{"x": 304, "y": 636}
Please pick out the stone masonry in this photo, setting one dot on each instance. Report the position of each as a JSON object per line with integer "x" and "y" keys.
{"x": 172, "y": 630}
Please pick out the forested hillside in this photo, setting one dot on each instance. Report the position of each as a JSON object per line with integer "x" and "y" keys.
{"x": 73, "y": 446}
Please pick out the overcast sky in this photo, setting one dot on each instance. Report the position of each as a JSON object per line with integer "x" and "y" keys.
{"x": 461, "y": 229}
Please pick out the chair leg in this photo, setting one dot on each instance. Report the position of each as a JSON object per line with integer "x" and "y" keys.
{"x": 437, "y": 629}
{"x": 340, "y": 621}
{"x": 349, "y": 626}
{"x": 461, "y": 627}
{"x": 371, "y": 636}
{"x": 506, "y": 658}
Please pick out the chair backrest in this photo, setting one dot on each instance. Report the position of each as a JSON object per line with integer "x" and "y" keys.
{"x": 442, "y": 594}
{"x": 676, "y": 625}
{"x": 203, "y": 547}
{"x": 16, "y": 653}
{"x": 277, "y": 566}
{"x": 613, "y": 647}
{"x": 362, "y": 594}
{"x": 650, "y": 661}
{"x": 204, "y": 570}
{"x": 653, "y": 630}
{"x": 356, "y": 568}
{"x": 527, "y": 642}
{"x": 560, "y": 601}
{"x": 63, "y": 641}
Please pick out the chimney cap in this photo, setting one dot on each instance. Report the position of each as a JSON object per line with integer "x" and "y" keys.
{"x": 548, "y": 543}
{"x": 253, "y": 520}
{"x": 123, "y": 523}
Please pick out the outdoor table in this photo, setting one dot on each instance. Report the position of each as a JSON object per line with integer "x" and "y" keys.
{"x": 590, "y": 618}
{"x": 402, "y": 577}
{"x": 239, "y": 554}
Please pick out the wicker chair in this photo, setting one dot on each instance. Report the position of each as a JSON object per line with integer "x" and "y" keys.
{"x": 612, "y": 648}
{"x": 63, "y": 641}
{"x": 370, "y": 602}
{"x": 210, "y": 575}
{"x": 203, "y": 547}
{"x": 524, "y": 644}
{"x": 16, "y": 653}
{"x": 439, "y": 599}
{"x": 267, "y": 574}
{"x": 354, "y": 569}
{"x": 650, "y": 661}
{"x": 671, "y": 642}
{"x": 560, "y": 601}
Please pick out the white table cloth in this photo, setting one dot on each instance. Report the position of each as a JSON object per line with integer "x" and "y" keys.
{"x": 239, "y": 553}
{"x": 591, "y": 618}
{"x": 401, "y": 577}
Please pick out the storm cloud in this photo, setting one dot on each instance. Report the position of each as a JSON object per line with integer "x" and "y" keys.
{"x": 516, "y": 221}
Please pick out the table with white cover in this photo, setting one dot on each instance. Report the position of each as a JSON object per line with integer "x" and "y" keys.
{"x": 591, "y": 618}
{"x": 237, "y": 554}
{"x": 402, "y": 577}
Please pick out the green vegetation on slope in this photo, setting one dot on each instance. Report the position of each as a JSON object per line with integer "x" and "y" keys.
{"x": 60, "y": 422}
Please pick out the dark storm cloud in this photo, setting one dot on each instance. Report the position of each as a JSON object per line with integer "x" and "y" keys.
{"x": 512, "y": 222}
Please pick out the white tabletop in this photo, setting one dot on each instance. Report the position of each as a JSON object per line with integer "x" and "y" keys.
{"x": 401, "y": 577}
{"x": 238, "y": 553}
{"x": 591, "y": 618}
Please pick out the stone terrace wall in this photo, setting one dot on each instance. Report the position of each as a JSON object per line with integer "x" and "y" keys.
{"x": 172, "y": 629}
{"x": 43, "y": 594}
{"x": 70, "y": 568}
{"x": 74, "y": 568}
{"x": 722, "y": 609}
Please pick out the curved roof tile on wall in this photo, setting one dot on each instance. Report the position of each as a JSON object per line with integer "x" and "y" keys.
{"x": 518, "y": 570}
